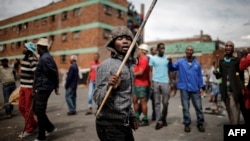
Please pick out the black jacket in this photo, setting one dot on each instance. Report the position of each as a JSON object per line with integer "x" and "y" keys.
{"x": 230, "y": 69}
{"x": 46, "y": 75}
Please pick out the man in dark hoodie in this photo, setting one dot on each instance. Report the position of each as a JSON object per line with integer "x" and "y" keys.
{"x": 117, "y": 116}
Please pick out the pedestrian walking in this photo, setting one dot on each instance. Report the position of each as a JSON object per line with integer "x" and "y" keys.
{"x": 117, "y": 117}
{"x": 91, "y": 81}
{"x": 28, "y": 67}
{"x": 46, "y": 80}
{"x": 190, "y": 84}
{"x": 71, "y": 85}
{"x": 141, "y": 87}
{"x": 160, "y": 82}
{"x": 231, "y": 87}
{"x": 9, "y": 85}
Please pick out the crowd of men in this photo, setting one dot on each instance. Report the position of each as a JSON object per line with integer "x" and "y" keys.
{"x": 148, "y": 74}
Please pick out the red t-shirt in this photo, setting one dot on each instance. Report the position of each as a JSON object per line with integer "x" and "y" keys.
{"x": 142, "y": 80}
{"x": 93, "y": 67}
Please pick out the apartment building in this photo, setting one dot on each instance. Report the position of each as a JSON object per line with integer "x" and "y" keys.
{"x": 73, "y": 27}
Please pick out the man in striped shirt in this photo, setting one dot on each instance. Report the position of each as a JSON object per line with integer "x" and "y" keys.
{"x": 28, "y": 66}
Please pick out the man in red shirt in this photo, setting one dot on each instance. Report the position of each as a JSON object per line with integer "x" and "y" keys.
{"x": 141, "y": 88}
{"x": 91, "y": 81}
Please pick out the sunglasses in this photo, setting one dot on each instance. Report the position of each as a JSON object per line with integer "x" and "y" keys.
{"x": 229, "y": 45}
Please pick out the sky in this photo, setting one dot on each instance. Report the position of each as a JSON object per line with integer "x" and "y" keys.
{"x": 221, "y": 19}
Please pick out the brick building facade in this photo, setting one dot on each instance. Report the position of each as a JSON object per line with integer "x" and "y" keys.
{"x": 79, "y": 27}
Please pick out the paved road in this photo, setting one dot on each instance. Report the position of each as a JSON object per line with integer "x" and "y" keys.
{"x": 82, "y": 128}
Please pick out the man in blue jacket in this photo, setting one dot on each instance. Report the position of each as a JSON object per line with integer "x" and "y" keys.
{"x": 46, "y": 80}
{"x": 71, "y": 85}
{"x": 190, "y": 85}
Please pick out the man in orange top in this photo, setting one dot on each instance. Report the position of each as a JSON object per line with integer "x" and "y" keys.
{"x": 141, "y": 88}
{"x": 91, "y": 81}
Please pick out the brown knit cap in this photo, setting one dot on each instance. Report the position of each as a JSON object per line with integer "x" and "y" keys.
{"x": 117, "y": 32}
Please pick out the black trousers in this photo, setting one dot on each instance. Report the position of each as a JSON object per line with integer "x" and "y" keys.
{"x": 40, "y": 106}
{"x": 114, "y": 133}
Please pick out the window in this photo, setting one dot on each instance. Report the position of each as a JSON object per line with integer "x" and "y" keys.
{"x": 2, "y": 47}
{"x": 106, "y": 33}
{"x": 52, "y": 18}
{"x": 52, "y": 37}
{"x": 19, "y": 44}
{"x": 119, "y": 14}
{"x": 107, "y": 10}
{"x": 76, "y": 35}
{"x": 13, "y": 28}
{"x": 36, "y": 23}
{"x": 19, "y": 28}
{"x": 76, "y": 12}
{"x": 63, "y": 59}
{"x": 44, "y": 21}
{"x": 64, "y": 37}
{"x": 64, "y": 15}
{"x": 25, "y": 26}
{"x": 13, "y": 45}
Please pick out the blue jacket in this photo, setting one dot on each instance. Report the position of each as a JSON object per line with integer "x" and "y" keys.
{"x": 72, "y": 77}
{"x": 189, "y": 75}
{"x": 46, "y": 75}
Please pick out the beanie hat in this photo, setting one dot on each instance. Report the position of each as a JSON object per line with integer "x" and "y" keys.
{"x": 117, "y": 32}
{"x": 30, "y": 46}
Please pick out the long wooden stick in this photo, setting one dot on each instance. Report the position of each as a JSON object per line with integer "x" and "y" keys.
{"x": 128, "y": 53}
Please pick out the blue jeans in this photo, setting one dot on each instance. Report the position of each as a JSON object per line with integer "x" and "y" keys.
{"x": 90, "y": 92}
{"x": 7, "y": 90}
{"x": 70, "y": 97}
{"x": 197, "y": 103}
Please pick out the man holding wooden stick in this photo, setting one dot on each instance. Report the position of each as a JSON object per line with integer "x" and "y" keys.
{"x": 117, "y": 116}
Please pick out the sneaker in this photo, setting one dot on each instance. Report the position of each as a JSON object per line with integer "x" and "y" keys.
{"x": 144, "y": 123}
{"x": 48, "y": 133}
{"x": 158, "y": 126}
{"x": 24, "y": 134}
{"x": 71, "y": 113}
{"x": 201, "y": 128}
{"x": 187, "y": 128}
{"x": 89, "y": 112}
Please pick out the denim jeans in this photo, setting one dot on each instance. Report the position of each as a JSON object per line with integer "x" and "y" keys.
{"x": 114, "y": 133}
{"x": 90, "y": 92}
{"x": 7, "y": 90}
{"x": 197, "y": 103}
{"x": 70, "y": 97}
{"x": 40, "y": 106}
{"x": 164, "y": 90}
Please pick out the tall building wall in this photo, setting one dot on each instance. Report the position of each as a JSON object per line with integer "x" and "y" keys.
{"x": 79, "y": 27}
